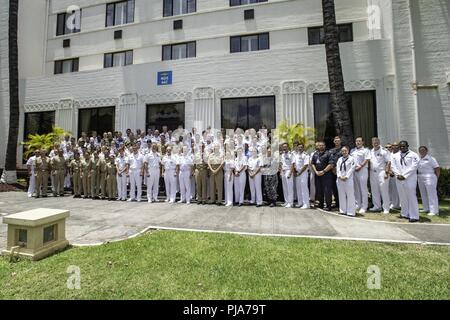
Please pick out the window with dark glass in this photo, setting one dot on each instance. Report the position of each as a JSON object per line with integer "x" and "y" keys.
{"x": 119, "y": 13}
{"x": 246, "y": 113}
{"x": 177, "y": 7}
{"x": 100, "y": 120}
{"x": 67, "y": 23}
{"x": 167, "y": 114}
{"x": 66, "y": 66}
{"x": 38, "y": 123}
{"x": 49, "y": 233}
{"x": 242, "y": 2}
{"x": 118, "y": 59}
{"x": 316, "y": 35}
{"x": 179, "y": 51}
{"x": 362, "y": 107}
{"x": 253, "y": 42}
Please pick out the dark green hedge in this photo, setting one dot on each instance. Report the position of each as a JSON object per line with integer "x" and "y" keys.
{"x": 444, "y": 184}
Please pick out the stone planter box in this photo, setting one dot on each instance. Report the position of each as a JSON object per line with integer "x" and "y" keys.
{"x": 37, "y": 233}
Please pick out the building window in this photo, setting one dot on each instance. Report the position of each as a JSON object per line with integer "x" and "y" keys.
{"x": 67, "y": 23}
{"x": 66, "y": 66}
{"x": 362, "y": 105}
{"x": 246, "y": 113}
{"x": 249, "y": 43}
{"x": 167, "y": 114}
{"x": 119, "y": 13}
{"x": 118, "y": 59}
{"x": 316, "y": 35}
{"x": 38, "y": 123}
{"x": 179, "y": 51}
{"x": 100, "y": 120}
{"x": 242, "y": 2}
{"x": 177, "y": 7}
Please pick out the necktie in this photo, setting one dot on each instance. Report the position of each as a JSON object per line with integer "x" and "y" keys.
{"x": 344, "y": 165}
{"x": 402, "y": 159}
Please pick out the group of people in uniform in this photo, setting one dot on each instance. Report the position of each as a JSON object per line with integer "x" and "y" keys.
{"x": 218, "y": 167}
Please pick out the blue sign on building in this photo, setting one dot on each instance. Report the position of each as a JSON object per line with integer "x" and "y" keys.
{"x": 164, "y": 78}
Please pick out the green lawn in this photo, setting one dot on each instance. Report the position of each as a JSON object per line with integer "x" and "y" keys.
{"x": 444, "y": 215}
{"x": 185, "y": 265}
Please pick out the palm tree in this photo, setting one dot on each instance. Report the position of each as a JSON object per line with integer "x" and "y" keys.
{"x": 339, "y": 100}
{"x": 10, "y": 174}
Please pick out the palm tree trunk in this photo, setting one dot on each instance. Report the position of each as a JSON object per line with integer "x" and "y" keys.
{"x": 9, "y": 175}
{"x": 339, "y": 102}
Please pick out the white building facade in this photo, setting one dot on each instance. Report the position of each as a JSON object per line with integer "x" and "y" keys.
{"x": 133, "y": 64}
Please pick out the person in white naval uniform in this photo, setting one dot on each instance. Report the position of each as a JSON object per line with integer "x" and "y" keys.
{"x": 345, "y": 168}
{"x": 122, "y": 172}
{"x": 228, "y": 177}
{"x": 254, "y": 177}
{"x": 152, "y": 167}
{"x": 393, "y": 192}
{"x": 185, "y": 165}
{"x": 404, "y": 166}
{"x": 169, "y": 164}
{"x": 301, "y": 163}
{"x": 240, "y": 174}
{"x": 380, "y": 165}
{"x": 286, "y": 172}
{"x": 136, "y": 171}
{"x": 429, "y": 172}
{"x": 362, "y": 156}
{"x": 31, "y": 165}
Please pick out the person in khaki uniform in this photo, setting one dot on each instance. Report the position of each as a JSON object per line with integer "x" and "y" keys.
{"x": 201, "y": 174}
{"x": 101, "y": 176}
{"x": 111, "y": 172}
{"x": 92, "y": 177}
{"x": 43, "y": 168}
{"x": 75, "y": 173}
{"x": 58, "y": 171}
{"x": 85, "y": 175}
{"x": 215, "y": 165}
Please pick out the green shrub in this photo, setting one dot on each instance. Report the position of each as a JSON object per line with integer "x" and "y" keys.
{"x": 444, "y": 184}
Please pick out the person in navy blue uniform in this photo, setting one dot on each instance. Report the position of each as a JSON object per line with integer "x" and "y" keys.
{"x": 335, "y": 154}
{"x": 322, "y": 165}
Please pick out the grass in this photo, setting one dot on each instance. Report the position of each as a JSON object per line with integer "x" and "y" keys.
{"x": 185, "y": 265}
{"x": 443, "y": 218}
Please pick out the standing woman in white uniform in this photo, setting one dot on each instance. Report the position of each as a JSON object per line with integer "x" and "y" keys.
{"x": 254, "y": 177}
{"x": 185, "y": 165}
{"x": 229, "y": 167}
{"x": 286, "y": 172}
{"x": 301, "y": 163}
{"x": 429, "y": 172}
{"x": 393, "y": 192}
{"x": 170, "y": 176}
{"x": 345, "y": 169}
{"x": 122, "y": 172}
{"x": 31, "y": 166}
{"x": 362, "y": 156}
{"x": 240, "y": 173}
{"x": 404, "y": 166}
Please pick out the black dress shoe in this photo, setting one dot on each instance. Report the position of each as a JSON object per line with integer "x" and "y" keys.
{"x": 413, "y": 220}
{"x": 327, "y": 209}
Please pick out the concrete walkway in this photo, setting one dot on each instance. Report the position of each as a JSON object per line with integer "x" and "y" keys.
{"x": 95, "y": 222}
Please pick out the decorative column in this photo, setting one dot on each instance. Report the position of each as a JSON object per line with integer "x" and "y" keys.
{"x": 127, "y": 113}
{"x": 295, "y": 103}
{"x": 203, "y": 113}
{"x": 64, "y": 117}
{"x": 391, "y": 110}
